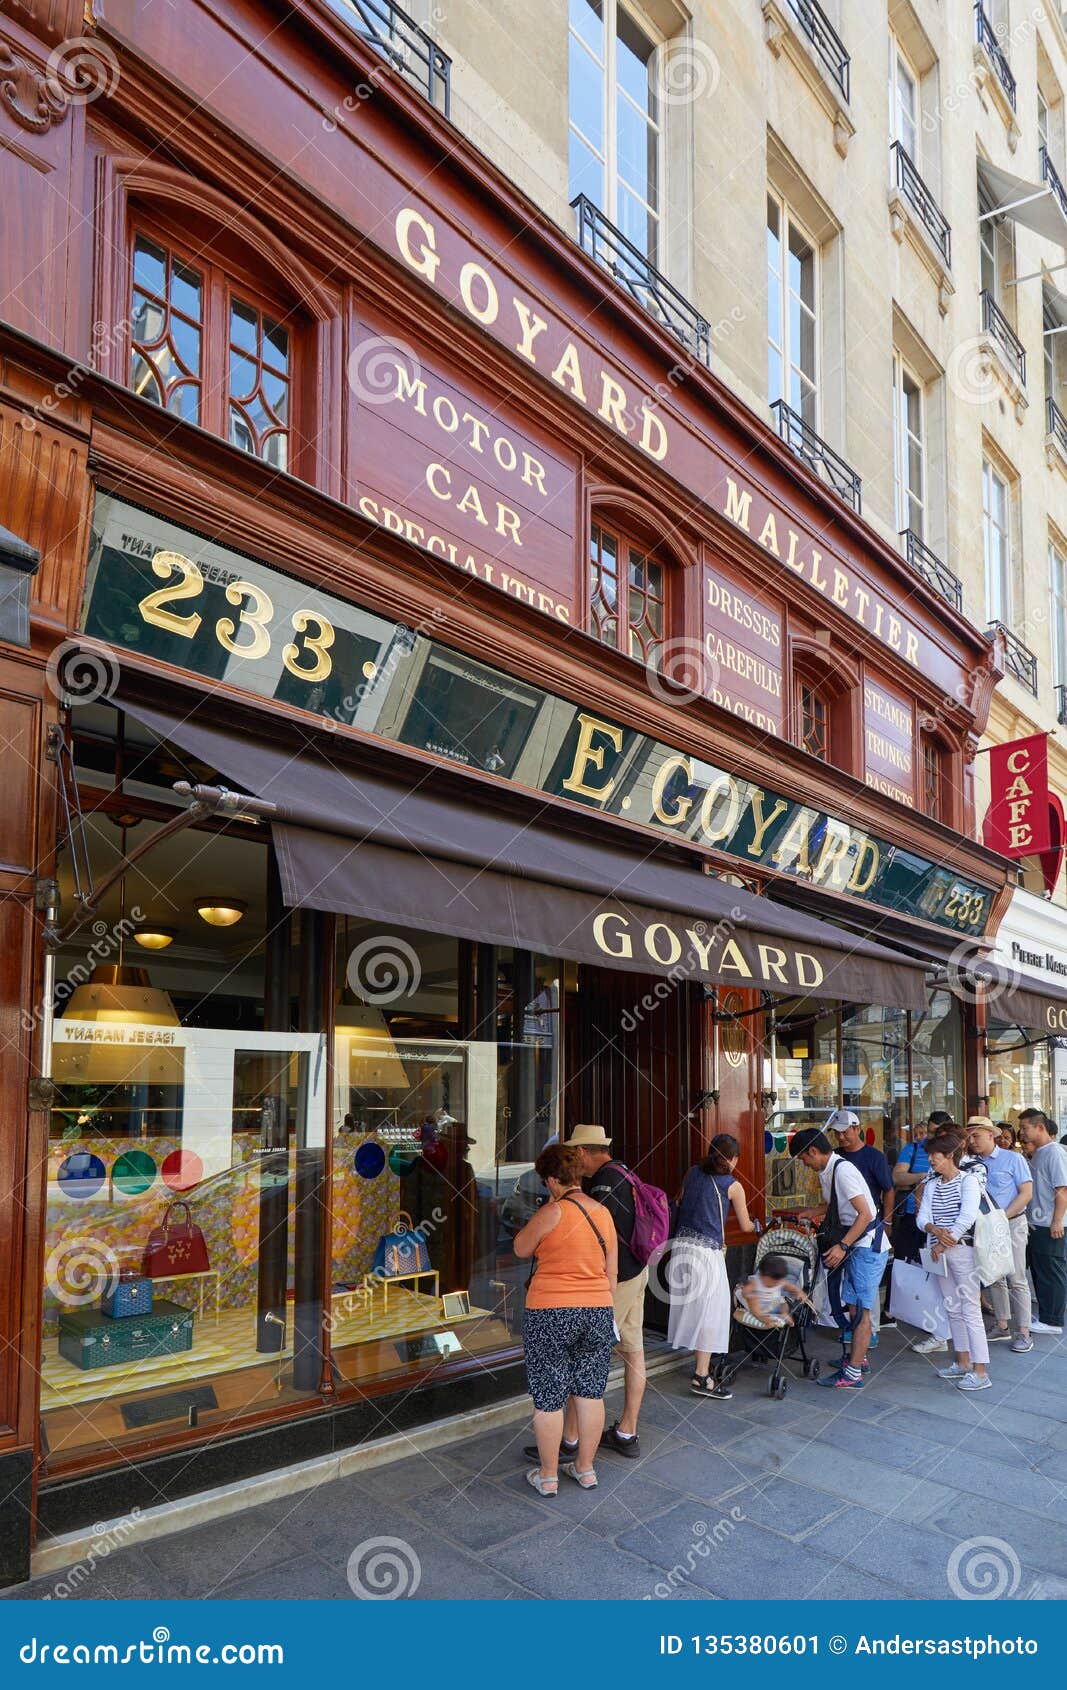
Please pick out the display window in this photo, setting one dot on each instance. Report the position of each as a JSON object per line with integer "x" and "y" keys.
{"x": 1018, "y": 1073}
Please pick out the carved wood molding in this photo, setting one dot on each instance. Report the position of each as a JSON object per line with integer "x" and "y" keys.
{"x": 29, "y": 94}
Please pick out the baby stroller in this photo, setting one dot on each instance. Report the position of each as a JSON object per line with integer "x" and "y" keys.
{"x": 777, "y": 1344}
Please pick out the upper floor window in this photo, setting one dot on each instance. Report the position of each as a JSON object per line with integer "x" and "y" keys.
{"x": 792, "y": 313}
{"x": 1057, "y": 572}
{"x": 813, "y": 709}
{"x": 909, "y": 448}
{"x": 932, "y": 778}
{"x": 240, "y": 386}
{"x": 903, "y": 101}
{"x": 615, "y": 133}
{"x": 997, "y": 254}
{"x": 996, "y": 542}
{"x": 627, "y": 596}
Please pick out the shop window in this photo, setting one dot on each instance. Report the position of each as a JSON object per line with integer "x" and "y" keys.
{"x": 241, "y": 387}
{"x": 615, "y": 120}
{"x": 937, "y": 1060}
{"x": 1018, "y": 1073}
{"x": 628, "y": 595}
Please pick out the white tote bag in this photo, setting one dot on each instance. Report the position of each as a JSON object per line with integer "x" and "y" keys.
{"x": 916, "y": 1297}
{"x": 993, "y": 1254}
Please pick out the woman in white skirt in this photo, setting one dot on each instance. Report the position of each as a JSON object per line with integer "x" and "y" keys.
{"x": 700, "y": 1292}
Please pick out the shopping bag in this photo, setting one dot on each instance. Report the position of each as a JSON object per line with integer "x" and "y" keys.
{"x": 993, "y": 1255}
{"x": 820, "y": 1298}
{"x": 916, "y": 1297}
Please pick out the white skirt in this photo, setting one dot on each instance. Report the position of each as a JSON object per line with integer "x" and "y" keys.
{"x": 700, "y": 1298}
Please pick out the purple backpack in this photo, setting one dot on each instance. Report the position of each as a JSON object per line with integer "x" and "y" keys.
{"x": 652, "y": 1217}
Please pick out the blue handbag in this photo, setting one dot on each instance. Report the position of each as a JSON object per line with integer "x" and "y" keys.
{"x": 127, "y": 1297}
{"x": 401, "y": 1251}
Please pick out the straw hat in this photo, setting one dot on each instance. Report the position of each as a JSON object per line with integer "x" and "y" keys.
{"x": 589, "y": 1138}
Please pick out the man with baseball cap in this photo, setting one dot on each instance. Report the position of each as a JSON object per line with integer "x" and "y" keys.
{"x": 605, "y": 1179}
{"x": 873, "y": 1165}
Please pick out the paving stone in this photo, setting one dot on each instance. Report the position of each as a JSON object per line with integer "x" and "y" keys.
{"x": 196, "y": 1562}
{"x": 810, "y": 1462}
{"x": 698, "y": 1471}
{"x": 567, "y": 1563}
{"x": 1039, "y": 1543}
{"x": 973, "y": 1469}
{"x": 941, "y": 1431}
{"x": 781, "y": 1506}
{"x": 915, "y": 1559}
{"x": 735, "y": 1560}
{"x": 481, "y": 1514}
{"x": 305, "y": 1579}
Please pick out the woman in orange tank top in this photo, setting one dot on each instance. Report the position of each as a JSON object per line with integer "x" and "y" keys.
{"x": 569, "y": 1323}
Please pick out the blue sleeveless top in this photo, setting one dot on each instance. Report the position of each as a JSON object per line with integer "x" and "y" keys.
{"x": 701, "y": 1213}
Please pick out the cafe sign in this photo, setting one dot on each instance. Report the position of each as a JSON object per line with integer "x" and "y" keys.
{"x": 173, "y": 596}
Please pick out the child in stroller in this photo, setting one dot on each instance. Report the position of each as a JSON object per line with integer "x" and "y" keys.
{"x": 773, "y": 1307}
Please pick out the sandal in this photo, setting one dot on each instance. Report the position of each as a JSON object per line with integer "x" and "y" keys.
{"x": 543, "y": 1486}
{"x": 704, "y": 1385}
{"x": 587, "y": 1480}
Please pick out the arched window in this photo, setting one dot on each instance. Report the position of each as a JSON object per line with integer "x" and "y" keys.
{"x": 824, "y": 690}
{"x": 813, "y": 720}
{"x": 932, "y": 796}
{"x": 629, "y": 594}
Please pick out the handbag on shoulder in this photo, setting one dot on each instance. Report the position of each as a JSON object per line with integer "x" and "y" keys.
{"x": 176, "y": 1246}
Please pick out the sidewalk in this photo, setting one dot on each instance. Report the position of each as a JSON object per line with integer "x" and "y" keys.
{"x": 906, "y": 1488}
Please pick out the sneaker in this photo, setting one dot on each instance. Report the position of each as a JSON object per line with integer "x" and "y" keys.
{"x": 889, "y": 1320}
{"x": 872, "y": 1342}
{"x": 953, "y": 1372}
{"x": 567, "y": 1451}
{"x": 839, "y": 1382}
{"x": 1043, "y": 1327}
{"x": 999, "y": 1335}
{"x": 1022, "y": 1345}
{"x": 930, "y": 1346}
{"x": 974, "y": 1382}
{"x": 613, "y": 1439}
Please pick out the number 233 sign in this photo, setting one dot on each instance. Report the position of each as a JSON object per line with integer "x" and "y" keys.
{"x": 249, "y": 636}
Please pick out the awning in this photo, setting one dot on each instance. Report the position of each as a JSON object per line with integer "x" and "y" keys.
{"x": 354, "y": 842}
{"x": 1025, "y": 1000}
{"x": 1036, "y": 204}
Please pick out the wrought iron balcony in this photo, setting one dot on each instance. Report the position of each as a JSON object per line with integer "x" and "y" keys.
{"x": 1061, "y": 705}
{"x": 400, "y": 40}
{"x": 987, "y": 38}
{"x": 802, "y": 439}
{"x": 1050, "y": 175}
{"x": 922, "y": 201}
{"x": 935, "y": 573}
{"x": 639, "y": 276}
{"x": 828, "y": 45}
{"x": 1019, "y": 660}
{"x": 1057, "y": 422}
{"x": 995, "y": 323}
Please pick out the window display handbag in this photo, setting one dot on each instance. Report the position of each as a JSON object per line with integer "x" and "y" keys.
{"x": 125, "y": 1298}
{"x": 401, "y": 1251}
{"x": 993, "y": 1255}
{"x": 176, "y": 1246}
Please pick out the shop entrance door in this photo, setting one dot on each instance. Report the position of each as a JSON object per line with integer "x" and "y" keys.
{"x": 634, "y": 1068}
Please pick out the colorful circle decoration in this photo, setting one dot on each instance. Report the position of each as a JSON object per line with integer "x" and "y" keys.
{"x": 768, "y": 1143}
{"x": 402, "y": 1160}
{"x": 870, "y": 1135}
{"x": 369, "y": 1160}
{"x": 81, "y": 1175}
{"x": 134, "y": 1172}
{"x": 779, "y": 1141}
{"x": 182, "y": 1170}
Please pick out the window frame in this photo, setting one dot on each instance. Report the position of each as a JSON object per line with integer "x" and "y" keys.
{"x": 902, "y": 439}
{"x": 898, "y": 60}
{"x": 1057, "y": 554}
{"x": 999, "y": 605}
{"x": 629, "y": 540}
{"x": 782, "y": 347}
{"x": 821, "y": 700}
{"x": 930, "y": 747}
{"x": 224, "y": 280}
{"x": 996, "y": 256}
{"x": 611, "y": 91}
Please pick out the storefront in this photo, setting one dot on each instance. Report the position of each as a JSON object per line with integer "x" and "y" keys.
{"x": 1026, "y": 1029}
{"x": 532, "y": 740}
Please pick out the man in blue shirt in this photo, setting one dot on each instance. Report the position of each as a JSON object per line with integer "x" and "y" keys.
{"x": 1047, "y": 1253}
{"x": 1009, "y": 1182}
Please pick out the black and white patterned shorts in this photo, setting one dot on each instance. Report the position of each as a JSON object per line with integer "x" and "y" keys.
{"x": 568, "y": 1354}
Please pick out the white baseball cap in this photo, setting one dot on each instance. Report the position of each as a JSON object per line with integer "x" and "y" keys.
{"x": 839, "y": 1120}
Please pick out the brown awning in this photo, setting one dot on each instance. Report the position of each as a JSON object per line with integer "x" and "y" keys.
{"x": 1024, "y": 1000}
{"x": 353, "y": 842}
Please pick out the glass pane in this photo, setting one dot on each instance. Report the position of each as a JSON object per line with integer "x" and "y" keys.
{"x": 257, "y": 416}
{"x": 636, "y": 145}
{"x": 148, "y": 320}
{"x": 184, "y": 402}
{"x": 185, "y": 290}
{"x": 242, "y": 376}
{"x": 186, "y": 344}
{"x": 915, "y": 468}
{"x": 150, "y": 266}
{"x": 633, "y": 60}
{"x": 801, "y": 268}
{"x": 143, "y": 381}
{"x": 585, "y": 172}
{"x": 275, "y": 345}
{"x": 276, "y": 451}
{"x": 803, "y": 344}
{"x": 801, "y": 1067}
{"x": 587, "y": 18}
{"x": 586, "y": 94}
{"x": 937, "y": 1062}
{"x": 636, "y": 223}
{"x": 276, "y": 391}
{"x": 774, "y": 374}
{"x": 244, "y": 326}
{"x": 1018, "y": 1078}
{"x": 240, "y": 433}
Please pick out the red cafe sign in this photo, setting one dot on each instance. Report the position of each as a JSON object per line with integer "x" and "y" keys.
{"x": 1017, "y": 821}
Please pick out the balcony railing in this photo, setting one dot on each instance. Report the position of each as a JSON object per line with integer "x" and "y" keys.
{"x": 639, "y": 276}
{"x": 802, "y": 439}
{"x": 1061, "y": 705}
{"x": 935, "y": 573}
{"x": 922, "y": 202}
{"x": 828, "y": 45}
{"x": 1019, "y": 660}
{"x": 987, "y": 38}
{"x": 1050, "y": 175}
{"x": 1057, "y": 422}
{"x": 995, "y": 323}
{"x": 408, "y": 48}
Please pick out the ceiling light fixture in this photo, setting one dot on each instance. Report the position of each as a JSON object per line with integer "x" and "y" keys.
{"x": 220, "y": 912}
{"x": 154, "y": 937}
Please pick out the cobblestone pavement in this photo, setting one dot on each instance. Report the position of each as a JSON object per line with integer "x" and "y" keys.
{"x": 906, "y": 1488}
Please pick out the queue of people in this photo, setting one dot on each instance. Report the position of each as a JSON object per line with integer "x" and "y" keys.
{"x": 589, "y": 1265}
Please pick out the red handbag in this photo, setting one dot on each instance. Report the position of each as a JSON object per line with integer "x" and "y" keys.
{"x": 177, "y": 1246}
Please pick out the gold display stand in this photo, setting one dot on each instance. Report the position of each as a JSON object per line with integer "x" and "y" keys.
{"x": 202, "y": 1275}
{"x": 372, "y": 1281}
